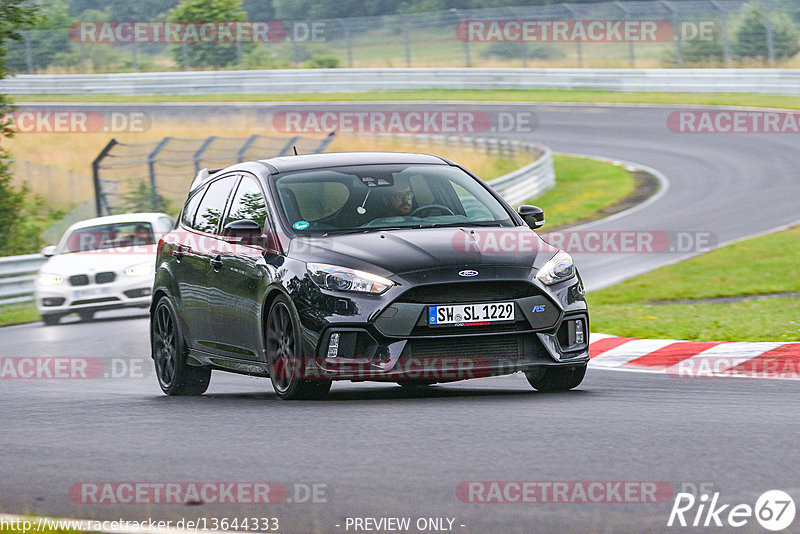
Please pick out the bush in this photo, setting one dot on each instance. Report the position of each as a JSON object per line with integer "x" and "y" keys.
{"x": 323, "y": 62}
{"x": 512, "y": 50}
{"x": 750, "y": 33}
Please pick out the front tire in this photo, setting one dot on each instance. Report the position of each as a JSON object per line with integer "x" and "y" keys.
{"x": 552, "y": 379}
{"x": 175, "y": 376}
{"x": 285, "y": 358}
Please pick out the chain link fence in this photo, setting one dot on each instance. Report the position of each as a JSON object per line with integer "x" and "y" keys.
{"x": 154, "y": 176}
{"x": 690, "y": 32}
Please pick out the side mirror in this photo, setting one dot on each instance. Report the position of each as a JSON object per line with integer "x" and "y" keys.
{"x": 49, "y": 251}
{"x": 532, "y": 215}
{"x": 243, "y": 231}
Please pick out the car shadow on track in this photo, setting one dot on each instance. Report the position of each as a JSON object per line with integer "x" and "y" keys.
{"x": 390, "y": 393}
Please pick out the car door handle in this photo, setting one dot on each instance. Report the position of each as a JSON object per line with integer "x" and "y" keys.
{"x": 216, "y": 262}
{"x": 179, "y": 251}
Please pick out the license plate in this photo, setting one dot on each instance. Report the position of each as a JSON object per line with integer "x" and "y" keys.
{"x": 471, "y": 314}
{"x": 89, "y": 292}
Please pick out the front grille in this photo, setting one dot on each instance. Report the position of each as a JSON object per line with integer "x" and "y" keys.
{"x": 79, "y": 280}
{"x": 94, "y": 301}
{"x": 459, "y": 292}
{"x": 489, "y": 348}
{"x": 104, "y": 278}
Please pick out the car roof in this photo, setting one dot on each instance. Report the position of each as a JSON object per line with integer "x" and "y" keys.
{"x": 342, "y": 159}
{"x": 121, "y": 218}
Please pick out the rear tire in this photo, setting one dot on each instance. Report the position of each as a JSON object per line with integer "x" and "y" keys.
{"x": 51, "y": 319}
{"x": 285, "y": 358}
{"x": 552, "y": 379}
{"x": 175, "y": 376}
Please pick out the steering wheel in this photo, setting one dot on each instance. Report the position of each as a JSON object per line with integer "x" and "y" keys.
{"x": 445, "y": 209}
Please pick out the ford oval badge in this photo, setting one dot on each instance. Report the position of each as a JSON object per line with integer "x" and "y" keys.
{"x": 468, "y": 272}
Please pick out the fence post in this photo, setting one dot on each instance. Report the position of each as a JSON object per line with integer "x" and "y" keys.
{"x": 578, "y": 41}
{"x": 28, "y": 52}
{"x": 287, "y": 146}
{"x": 676, "y": 37}
{"x": 99, "y": 195}
{"x": 467, "y": 59}
{"x": 247, "y": 144}
{"x": 406, "y": 45}
{"x": 631, "y": 51}
{"x": 726, "y": 46}
{"x": 199, "y": 152}
{"x": 770, "y": 36}
{"x": 151, "y": 167}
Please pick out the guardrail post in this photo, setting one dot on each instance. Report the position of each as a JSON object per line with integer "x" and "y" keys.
{"x": 99, "y": 194}
{"x": 151, "y": 167}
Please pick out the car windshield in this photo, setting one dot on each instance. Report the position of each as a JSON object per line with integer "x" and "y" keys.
{"x": 373, "y": 197}
{"x": 109, "y": 236}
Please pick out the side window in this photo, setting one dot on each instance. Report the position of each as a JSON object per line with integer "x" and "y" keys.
{"x": 187, "y": 216}
{"x": 248, "y": 203}
{"x": 213, "y": 204}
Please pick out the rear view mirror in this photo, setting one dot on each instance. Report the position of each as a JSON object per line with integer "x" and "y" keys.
{"x": 243, "y": 231}
{"x": 49, "y": 251}
{"x": 532, "y": 215}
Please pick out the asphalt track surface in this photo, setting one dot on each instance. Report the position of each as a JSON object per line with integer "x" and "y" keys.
{"x": 385, "y": 452}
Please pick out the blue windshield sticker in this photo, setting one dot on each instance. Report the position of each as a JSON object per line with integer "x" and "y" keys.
{"x": 300, "y": 225}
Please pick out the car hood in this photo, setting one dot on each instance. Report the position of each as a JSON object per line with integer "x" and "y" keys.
{"x": 403, "y": 251}
{"x": 100, "y": 261}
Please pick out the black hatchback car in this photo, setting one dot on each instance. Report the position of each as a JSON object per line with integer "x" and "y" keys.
{"x": 387, "y": 267}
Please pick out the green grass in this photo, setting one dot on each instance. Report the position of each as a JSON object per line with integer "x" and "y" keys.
{"x": 583, "y": 187}
{"x": 756, "y": 266}
{"x": 18, "y": 313}
{"x": 719, "y": 99}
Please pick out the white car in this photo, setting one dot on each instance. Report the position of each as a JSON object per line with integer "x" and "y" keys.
{"x": 100, "y": 264}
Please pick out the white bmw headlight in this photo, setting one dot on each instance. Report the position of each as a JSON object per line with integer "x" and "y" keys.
{"x": 344, "y": 279}
{"x": 47, "y": 279}
{"x": 558, "y": 269}
{"x": 142, "y": 269}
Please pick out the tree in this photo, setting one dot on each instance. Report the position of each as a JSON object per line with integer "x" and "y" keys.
{"x": 48, "y": 38}
{"x": 216, "y": 55}
{"x": 750, "y": 36}
{"x": 13, "y": 14}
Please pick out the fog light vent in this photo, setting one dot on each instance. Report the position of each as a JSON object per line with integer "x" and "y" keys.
{"x": 333, "y": 345}
{"x": 579, "y": 335}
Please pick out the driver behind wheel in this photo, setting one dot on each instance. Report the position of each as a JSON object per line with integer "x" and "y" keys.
{"x": 398, "y": 199}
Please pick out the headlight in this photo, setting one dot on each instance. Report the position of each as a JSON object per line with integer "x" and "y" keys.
{"x": 142, "y": 269}
{"x": 46, "y": 279}
{"x": 343, "y": 279}
{"x": 558, "y": 269}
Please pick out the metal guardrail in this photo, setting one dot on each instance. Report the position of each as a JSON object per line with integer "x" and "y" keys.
{"x": 17, "y": 275}
{"x": 771, "y": 81}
